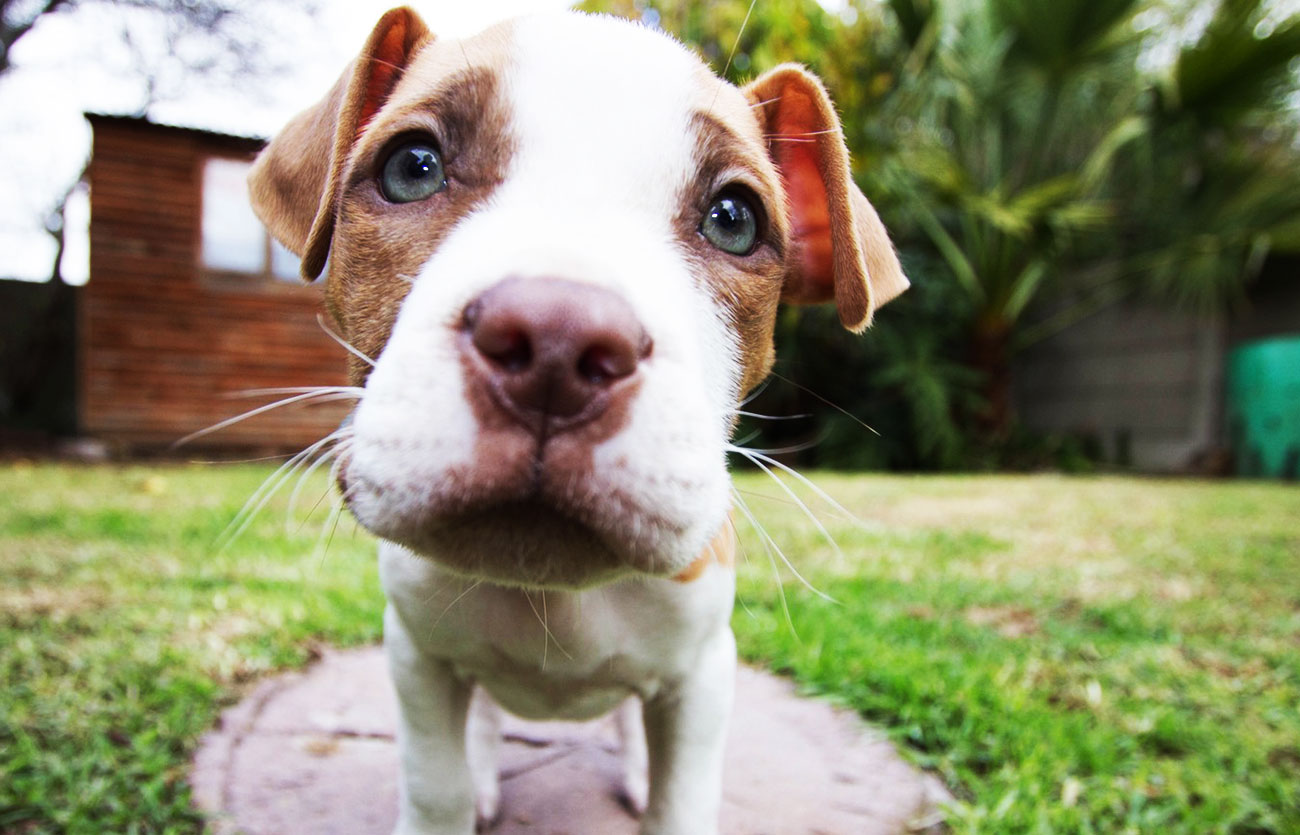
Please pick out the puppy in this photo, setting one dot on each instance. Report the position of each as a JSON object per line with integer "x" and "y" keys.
{"x": 558, "y": 248}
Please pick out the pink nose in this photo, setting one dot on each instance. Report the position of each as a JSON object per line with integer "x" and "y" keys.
{"x": 554, "y": 350}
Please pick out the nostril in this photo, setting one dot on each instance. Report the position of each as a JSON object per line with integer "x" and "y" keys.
{"x": 469, "y": 318}
{"x": 507, "y": 347}
{"x": 601, "y": 364}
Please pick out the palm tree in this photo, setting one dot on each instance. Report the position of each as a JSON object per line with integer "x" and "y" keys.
{"x": 1042, "y": 166}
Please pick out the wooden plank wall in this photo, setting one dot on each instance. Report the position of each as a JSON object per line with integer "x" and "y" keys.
{"x": 163, "y": 347}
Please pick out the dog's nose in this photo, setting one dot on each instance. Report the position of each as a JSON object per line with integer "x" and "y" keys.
{"x": 554, "y": 348}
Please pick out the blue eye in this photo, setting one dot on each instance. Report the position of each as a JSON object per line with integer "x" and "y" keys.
{"x": 731, "y": 224}
{"x": 412, "y": 172}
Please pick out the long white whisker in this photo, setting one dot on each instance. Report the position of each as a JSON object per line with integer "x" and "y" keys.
{"x": 743, "y": 413}
{"x": 834, "y": 406}
{"x": 780, "y": 450}
{"x": 251, "y": 413}
{"x": 269, "y": 487}
{"x": 758, "y": 389}
{"x": 303, "y": 477}
{"x": 355, "y": 391}
{"x": 757, "y": 456}
{"x": 807, "y": 512}
{"x": 549, "y": 636}
{"x": 457, "y": 599}
{"x": 769, "y": 545}
{"x": 347, "y": 346}
{"x": 744, "y": 555}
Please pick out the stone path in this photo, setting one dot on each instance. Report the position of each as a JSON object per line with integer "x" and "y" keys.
{"x": 313, "y": 752}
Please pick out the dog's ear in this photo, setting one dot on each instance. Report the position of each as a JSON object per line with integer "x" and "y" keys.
{"x": 840, "y": 248}
{"x": 295, "y": 181}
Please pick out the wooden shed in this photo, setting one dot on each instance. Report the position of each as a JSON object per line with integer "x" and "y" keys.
{"x": 189, "y": 302}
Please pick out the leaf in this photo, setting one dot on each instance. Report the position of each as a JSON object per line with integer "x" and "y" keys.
{"x": 1236, "y": 65}
{"x": 1102, "y": 158}
{"x": 951, "y": 252}
{"x": 1060, "y": 34}
{"x": 1024, "y": 288}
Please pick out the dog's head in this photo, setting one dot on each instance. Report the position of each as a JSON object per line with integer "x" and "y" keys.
{"x": 562, "y": 242}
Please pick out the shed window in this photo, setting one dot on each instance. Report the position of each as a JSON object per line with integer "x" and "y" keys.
{"x": 234, "y": 240}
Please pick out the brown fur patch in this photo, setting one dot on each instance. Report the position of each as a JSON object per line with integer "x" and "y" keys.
{"x": 721, "y": 549}
{"x": 380, "y": 247}
{"x": 747, "y": 287}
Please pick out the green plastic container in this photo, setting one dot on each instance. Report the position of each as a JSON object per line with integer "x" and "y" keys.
{"x": 1264, "y": 407}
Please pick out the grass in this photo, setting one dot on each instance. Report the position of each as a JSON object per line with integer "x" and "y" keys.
{"x": 1071, "y": 655}
{"x": 124, "y": 629}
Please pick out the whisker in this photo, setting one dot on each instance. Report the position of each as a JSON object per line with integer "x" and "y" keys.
{"x": 347, "y": 346}
{"x": 802, "y": 135}
{"x": 781, "y": 450}
{"x": 722, "y": 77}
{"x": 549, "y": 636}
{"x": 743, "y": 413}
{"x": 352, "y": 391}
{"x": 262, "y": 460}
{"x": 269, "y": 487}
{"x": 331, "y": 524}
{"x": 401, "y": 70}
{"x": 794, "y": 497}
{"x": 805, "y": 481}
{"x": 758, "y": 389}
{"x": 769, "y": 545}
{"x": 834, "y": 406}
{"x": 313, "y": 394}
{"x": 302, "y": 482}
{"x": 744, "y": 555}
{"x": 457, "y": 599}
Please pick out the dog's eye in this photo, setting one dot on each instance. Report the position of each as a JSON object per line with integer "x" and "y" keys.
{"x": 731, "y": 224}
{"x": 412, "y": 172}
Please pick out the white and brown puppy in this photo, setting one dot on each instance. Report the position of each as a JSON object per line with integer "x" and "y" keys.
{"x": 563, "y": 243}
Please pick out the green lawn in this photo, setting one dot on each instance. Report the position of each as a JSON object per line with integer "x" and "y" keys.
{"x": 1071, "y": 655}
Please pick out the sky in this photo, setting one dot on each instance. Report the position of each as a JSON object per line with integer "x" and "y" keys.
{"x": 73, "y": 63}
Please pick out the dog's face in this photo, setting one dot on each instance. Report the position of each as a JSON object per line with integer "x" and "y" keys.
{"x": 563, "y": 243}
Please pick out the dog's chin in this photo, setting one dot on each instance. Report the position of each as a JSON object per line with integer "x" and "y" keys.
{"x": 530, "y": 544}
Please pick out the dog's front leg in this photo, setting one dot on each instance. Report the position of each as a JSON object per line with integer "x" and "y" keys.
{"x": 437, "y": 794}
{"x": 686, "y": 730}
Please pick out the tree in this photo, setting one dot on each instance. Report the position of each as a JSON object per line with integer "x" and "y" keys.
{"x": 1050, "y": 174}
{"x": 222, "y": 22}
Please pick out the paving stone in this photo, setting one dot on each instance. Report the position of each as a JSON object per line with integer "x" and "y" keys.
{"x": 314, "y": 752}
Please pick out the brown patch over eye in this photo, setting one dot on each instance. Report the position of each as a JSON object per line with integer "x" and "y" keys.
{"x": 743, "y": 276}
{"x": 387, "y": 242}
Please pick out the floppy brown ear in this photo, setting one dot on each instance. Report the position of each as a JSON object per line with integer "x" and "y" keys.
{"x": 840, "y": 249}
{"x": 295, "y": 180}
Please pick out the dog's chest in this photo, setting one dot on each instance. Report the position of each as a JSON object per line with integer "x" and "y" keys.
{"x": 559, "y": 654}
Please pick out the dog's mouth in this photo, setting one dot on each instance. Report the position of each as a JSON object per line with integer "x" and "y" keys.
{"x": 526, "y": 543}
{"x": 533, "y": 523}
